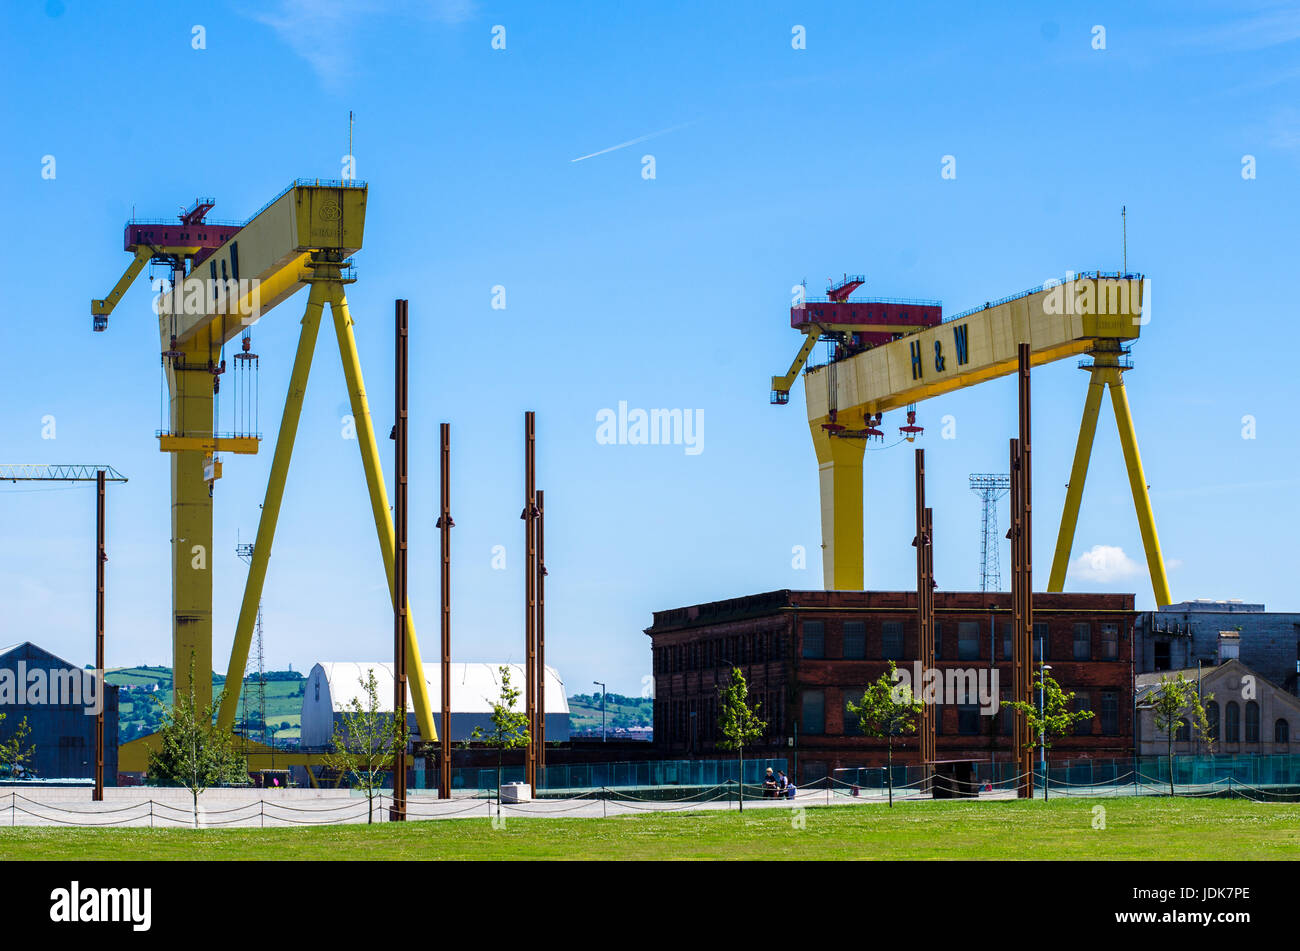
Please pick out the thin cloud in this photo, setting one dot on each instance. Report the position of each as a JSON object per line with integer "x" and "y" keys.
{"x": 623, "y": 145}
{"x": 1104, "y": 564}
{"x": 320, "y": 31}
{"x": 1248, "y": 33}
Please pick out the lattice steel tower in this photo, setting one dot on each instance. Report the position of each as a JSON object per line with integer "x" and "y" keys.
{"x": 258, "y": 687}
{"x": 990, "y": 488}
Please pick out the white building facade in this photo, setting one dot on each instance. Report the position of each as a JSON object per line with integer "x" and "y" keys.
{"x": 331, "y": 687}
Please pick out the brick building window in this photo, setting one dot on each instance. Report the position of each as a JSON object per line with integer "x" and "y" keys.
{"x": 938, "y": 640}
{"x": 968, "y": 640}
{"x": 1110, "y": 712}
{"x": 1006, "y": 716}
{"x": 1083, "y": 641}
{"x": 1083, "y": 701}
{"x": 814, "y": 639}
{"x": 891, "y": 640}
{"x": 1252, "y": 721}
{"x": 1281, "y": 731}
{"x": 1006, "y": 640}
{"x": 852, "y": 725}
{"x": 855, "y": 640}
{"x": 812, "y": 715}
{"x": 938, "y": 718}
{"x": 968, "y": 719}
{"x": 1042, "y": 640}
{"x": 1109, "y": 641}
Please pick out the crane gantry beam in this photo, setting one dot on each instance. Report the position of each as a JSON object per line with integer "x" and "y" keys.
{"x": 1092, "y": 314}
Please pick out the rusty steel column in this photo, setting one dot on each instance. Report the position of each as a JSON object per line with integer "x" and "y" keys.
{"x": 1026, "y": 542}
{"x": 932, "y": 742}
{"x": 541, "y": 629}
{"x": 398, "y": 812}
{"x": 100, "y": 558}
{"x": 924, "y": 620}
{"x": 445, "y": 525}
{"x": 1019, "y": 660}
{"x": 530, "y": 598}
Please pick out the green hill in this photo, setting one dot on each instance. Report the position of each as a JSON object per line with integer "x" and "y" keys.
{"x": 138, "y": 715}
{"x": 620, "y": 712}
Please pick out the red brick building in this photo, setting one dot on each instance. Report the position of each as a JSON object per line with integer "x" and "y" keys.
{"x": 806, "y": 653}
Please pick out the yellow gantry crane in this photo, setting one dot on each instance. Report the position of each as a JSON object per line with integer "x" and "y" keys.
{"x": 224, "y": 278}
{"x": 888, "y": 354}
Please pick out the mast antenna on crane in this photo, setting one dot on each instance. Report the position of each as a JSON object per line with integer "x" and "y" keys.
{"x": 1123, "y": 216}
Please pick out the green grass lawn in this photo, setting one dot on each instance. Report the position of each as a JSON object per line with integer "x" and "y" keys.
{"x": 1063, "y": 829}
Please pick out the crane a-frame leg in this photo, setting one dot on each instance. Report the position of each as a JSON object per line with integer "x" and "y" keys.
{"x": 379, "y": 499}
{"x": 1141, "y": 498}
{"x": 1106, "y": 373}
{"x": 274, "y": 496}
{"x": 1078, "y": 473}
{"x": 326, "y": 287}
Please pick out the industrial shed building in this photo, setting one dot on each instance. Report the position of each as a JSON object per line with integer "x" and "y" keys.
{"x": 331, "y": 687}
{"x": 52, "y": 694}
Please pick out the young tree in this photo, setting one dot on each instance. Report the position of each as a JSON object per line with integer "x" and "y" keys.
{"x": 194, "y": 751}
{"x": 886, "y": 710}
{"x": 509, "y": 726}
{"x": 15, "y": 754}
{"x": 1169, "y": 701}
{"x": 366, "y": 742}
{"x": 1057, "y": 719}
{"x": 738, "y": 722}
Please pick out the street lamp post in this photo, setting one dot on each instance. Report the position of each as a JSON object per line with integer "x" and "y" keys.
{"x": 602, "y": 709}
{"x": 1042, "y": 736}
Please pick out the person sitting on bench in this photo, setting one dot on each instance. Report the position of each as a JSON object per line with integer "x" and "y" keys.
{"x": 784, "y": 788}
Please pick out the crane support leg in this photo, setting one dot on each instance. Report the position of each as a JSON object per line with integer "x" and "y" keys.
{"x": 1078, "y": 473}
{"x": 191, "y": 413}
{"x": 379, "y": 498}
{"x": 274, "y": 496}
{"x": 839, "y": 461}
{"x": 1141, "y": 498}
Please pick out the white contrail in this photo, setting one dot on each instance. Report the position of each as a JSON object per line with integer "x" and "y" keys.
{"x": 623, "y": 145}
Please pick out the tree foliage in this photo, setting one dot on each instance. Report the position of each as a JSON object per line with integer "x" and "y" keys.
{"x": 509, "y": 726}
{"x": 193, "y": 750}
{"x": 738, "y": 721}
{"x": 887, "y": 709}
{"x": 15, "y": 752}
{"x": 366, "y": 742}
{"x": 1170, "y": 700}
{"x": 1058, "y": 716}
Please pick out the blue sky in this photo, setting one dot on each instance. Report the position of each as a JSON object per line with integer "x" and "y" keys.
{"x": 773, "y": 165}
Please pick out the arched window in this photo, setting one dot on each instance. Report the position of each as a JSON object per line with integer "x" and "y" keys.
{"x": 1212, "y": 719}
{"x": 1281, "y": 731}
{"x": 1252, "y": 721}
{"x": 1184, "y": 731}
{"x": 1232, "y": 722}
